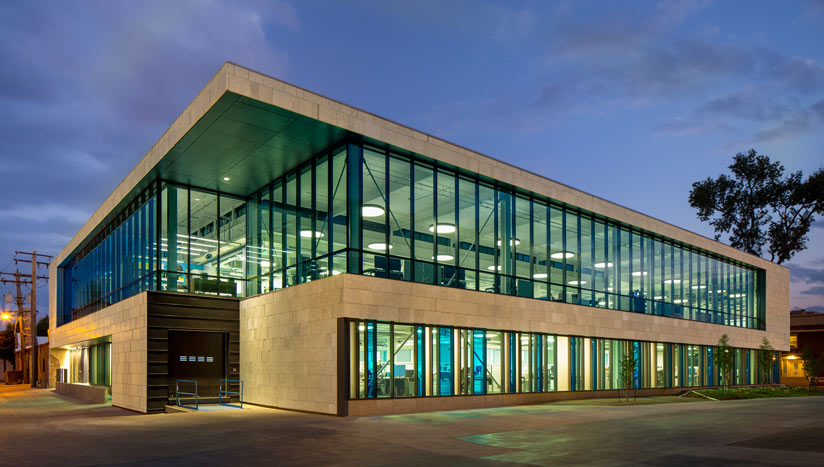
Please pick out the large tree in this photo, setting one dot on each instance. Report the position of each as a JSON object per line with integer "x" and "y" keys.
{"x": 757, "y": 206}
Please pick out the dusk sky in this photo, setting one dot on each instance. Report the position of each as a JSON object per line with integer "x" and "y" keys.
{"x": 632, "y": 104}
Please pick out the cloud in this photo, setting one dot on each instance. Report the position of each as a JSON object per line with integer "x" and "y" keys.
{"x": 794, "y": 124}
{"x": 635, "y": 58}
{"x": 648, "y": 58}
{"x": 46, "y": 212}
{"x": 814, "y": 291}
{"x": 92, "y": 85}
{"x": 626, "y": 29}
{"x": 744, "y": 105}
{"x": 818, "y": 109}
{"x": 679, "y": 126}
{"x": 805, "y": 274}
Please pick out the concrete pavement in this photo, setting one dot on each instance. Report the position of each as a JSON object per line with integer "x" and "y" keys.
{"x": 42, "y": 428}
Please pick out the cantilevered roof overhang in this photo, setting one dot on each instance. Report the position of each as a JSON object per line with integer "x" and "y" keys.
{"x": 247, "y": 141}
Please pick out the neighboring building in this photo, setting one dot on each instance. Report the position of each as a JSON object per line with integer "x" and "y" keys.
{"x": 806, "y": 329}
{"x": 23, "y": 360}
{"x": 338, "y": 262}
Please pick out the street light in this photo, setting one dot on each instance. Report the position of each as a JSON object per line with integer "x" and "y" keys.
{"x": 5, "y": 316}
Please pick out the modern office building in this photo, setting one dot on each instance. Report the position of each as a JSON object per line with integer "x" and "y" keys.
{"x": 341, "y": 263}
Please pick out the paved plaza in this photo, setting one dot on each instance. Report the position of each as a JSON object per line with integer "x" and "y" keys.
{"x": 43, "y": 428}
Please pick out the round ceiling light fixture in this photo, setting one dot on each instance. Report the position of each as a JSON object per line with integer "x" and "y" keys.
{"x": 562, "y": 255}
{"x": 372, "y": 210}
{"x": 310, "y": 234}
{"x": 444, "y": 228}
{"x": 379, "y": 246}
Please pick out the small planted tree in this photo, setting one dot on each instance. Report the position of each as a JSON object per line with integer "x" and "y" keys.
{"x": 627, "y": 372}
{"x": 812, "y": 366}
{"x": 724, "y": 359}
{"x": 766, "y": 353}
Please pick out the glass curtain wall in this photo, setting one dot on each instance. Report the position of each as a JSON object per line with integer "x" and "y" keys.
{"x": 364, "y": 210}
{"x": 390, "y": 360}
{"x": 437, "y": 226}
{"x": 119, "y": 262}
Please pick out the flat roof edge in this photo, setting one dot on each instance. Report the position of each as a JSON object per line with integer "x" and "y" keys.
{"x": 249, "y": 83}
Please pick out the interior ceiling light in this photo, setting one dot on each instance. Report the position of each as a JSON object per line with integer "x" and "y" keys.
{"x": 577, "y": 282}
{"x": 372, "y": 210}
{"x": 512, "y": 242}
{"x": 442, "y": 228}
{"x": 379, "y": 246}
{"x": 494, "y": 268}
{"x": 639, "y": 273}
{"x": 696, "y": 287}
{"x": 603, "y": 265}
{"x": 562, "y": 255}
{"x": 308, "y": 234}
{"x": 539, "y": 275}
{"x": 444, "y": 257}
{"x": 672, "y": 281}
{"x": 225, "y": 179}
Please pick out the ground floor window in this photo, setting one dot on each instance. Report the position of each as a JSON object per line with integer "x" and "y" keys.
{"x": 391, "y": 360}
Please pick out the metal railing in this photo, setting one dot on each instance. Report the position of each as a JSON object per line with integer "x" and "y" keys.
{"x": 224, "y": 383}
{"x": 179, "y": 393}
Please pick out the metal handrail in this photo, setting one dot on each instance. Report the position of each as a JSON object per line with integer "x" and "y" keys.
{"x": 221, "y": 392}
{"x": 178, "y": 393}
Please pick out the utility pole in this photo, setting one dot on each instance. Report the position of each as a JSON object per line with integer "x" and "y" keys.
{"x": 19, "y": 300}
{"x": 33, "y": 307}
